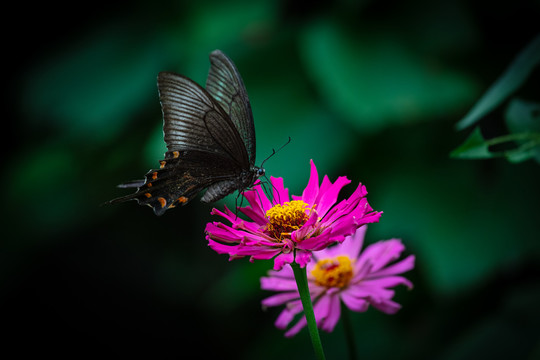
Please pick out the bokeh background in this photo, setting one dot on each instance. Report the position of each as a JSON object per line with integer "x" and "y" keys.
{"x": 367, "y": 89}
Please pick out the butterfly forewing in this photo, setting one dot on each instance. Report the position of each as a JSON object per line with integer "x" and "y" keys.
{"x": 191, "y": 116}
{"x": 225, "y": 85}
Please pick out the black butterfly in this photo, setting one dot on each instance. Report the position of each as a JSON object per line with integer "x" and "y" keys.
{"x": 210, "y": 138}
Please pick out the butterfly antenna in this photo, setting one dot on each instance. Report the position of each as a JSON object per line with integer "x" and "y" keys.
{"x": 274, "y": 151}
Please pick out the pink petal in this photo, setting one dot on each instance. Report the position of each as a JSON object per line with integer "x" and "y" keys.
{"x": 286, "y": 273}
{"x": 350, "y": 247}
{"x": 361, "y": 270}
{"x": 257, "y": 199}
{"x": 280, "y": 193}
{"x": 329, "y": 197}
{"x": 279, "y": 299}
{"x": 312, "y": 189}
{"x": 283, "y": 259}
{"x": 228, "y": 214}
{"x": 354, "y": 303}
{"x": 322, "y": 308}
{"x": 374, "y": 292}
{"x": 316, "y": 243}
{"x": 387, "y": 306}
{"x": 387, "y": 282}
{"x": 259, "y": 254}
{"x": 334, "y": 312}
{"x": 219, "y": 247}
{"x": 397, "y": 268}
{"x": 254, "y": 214}
{"x": 287, "y": 315}
{"x": 302, "y": 233}
{"x": 302, "y": 257}
{"x": 296, "y": 328}
{"x": 383, "y": 252}
{"x": 325, "y": 185}
{"x": 278, "y": 284}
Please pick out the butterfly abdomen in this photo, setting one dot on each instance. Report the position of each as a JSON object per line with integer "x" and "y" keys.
{"x": 219, "y": 190}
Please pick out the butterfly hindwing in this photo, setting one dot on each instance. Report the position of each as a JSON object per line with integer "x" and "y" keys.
{"x": 181, "y": 176}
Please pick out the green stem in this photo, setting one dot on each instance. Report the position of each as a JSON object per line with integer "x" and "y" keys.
{"x": 533, "y": 137}
{"x": 302, "y": 283}
{"x": 349, "y": 333}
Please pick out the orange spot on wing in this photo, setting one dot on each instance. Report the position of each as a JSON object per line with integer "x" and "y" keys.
{"x": 162, "y": 164}
{"x": 176, "y": 154}
{"x": 162, "y": 201}
{"x": 182, "y": 199}
{"x": 154, "y": 175}
{"x": 149, "y": 184}
{"x": 148, "y": 195}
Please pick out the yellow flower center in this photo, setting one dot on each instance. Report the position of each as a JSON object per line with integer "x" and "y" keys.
{"x": 284, "y": 219}
{"x": 333, "y": 272}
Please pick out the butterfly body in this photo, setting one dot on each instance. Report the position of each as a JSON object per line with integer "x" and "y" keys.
{"x": 210, "y": 136}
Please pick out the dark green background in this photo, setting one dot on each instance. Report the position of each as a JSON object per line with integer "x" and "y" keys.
{"x": 371, "y": 90}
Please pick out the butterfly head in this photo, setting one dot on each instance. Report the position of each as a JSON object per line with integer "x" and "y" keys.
{"x": 249, "y": 178}
{"x": 259, "y": 171}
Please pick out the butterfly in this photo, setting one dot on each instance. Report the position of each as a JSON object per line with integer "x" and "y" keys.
{"x": 210, "y": 138}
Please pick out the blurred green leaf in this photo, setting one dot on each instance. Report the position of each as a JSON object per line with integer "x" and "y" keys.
{"x": 225, "y": 23}
{"x": 524, "y": 117}
{"x": 514, "y": 76}
{"x": 475, "y": 147}
{"x": 375, "y": 80}
{"x": 90, "y": 91}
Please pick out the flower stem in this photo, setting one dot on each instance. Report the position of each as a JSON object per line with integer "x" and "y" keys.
{"x": 349, "y": 333}
{"x": 302, "y": 283}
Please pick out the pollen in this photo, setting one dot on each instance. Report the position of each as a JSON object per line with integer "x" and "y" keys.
{"x": 333, "y": 272}
{"x": 286, "y": 218}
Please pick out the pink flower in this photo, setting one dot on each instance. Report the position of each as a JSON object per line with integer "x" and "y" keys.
{"x": 290, "y": 230}
{"x": 341, "y": 273}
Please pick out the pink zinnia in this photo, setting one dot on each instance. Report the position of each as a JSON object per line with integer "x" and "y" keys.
{"x": 341, "y": 273}
{"x": 291, "y": 229}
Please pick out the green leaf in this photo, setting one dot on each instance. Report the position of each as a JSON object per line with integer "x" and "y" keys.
{"x": 524, "y": 117}
{"x": 516, "y": 74}
{"x": 475, "y": 147}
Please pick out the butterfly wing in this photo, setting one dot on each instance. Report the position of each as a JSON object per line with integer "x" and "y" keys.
{"x": 182, "y": 175}
{"x": 225, "y": 85}
{"x": 193, "y": 120}
{"x": 205, "y": 149}
{"x": 210, "y": 137}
